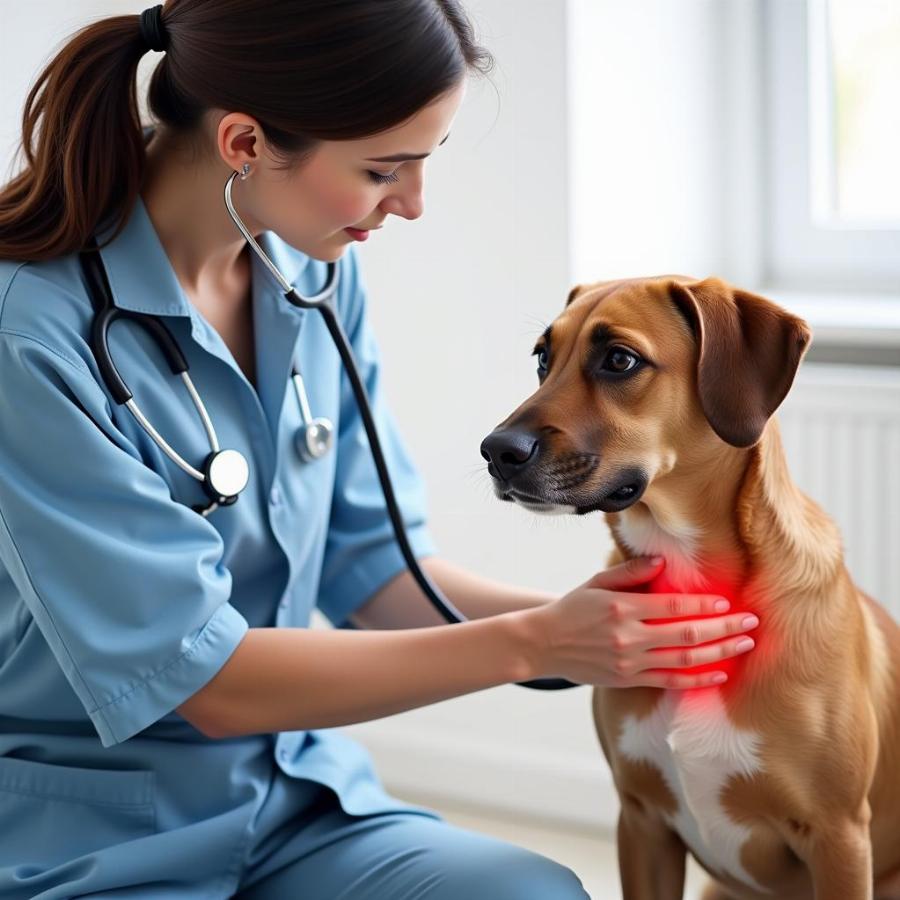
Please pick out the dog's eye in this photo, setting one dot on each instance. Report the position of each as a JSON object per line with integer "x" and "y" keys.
{"x": 619, "y": 360}
{"x": 541, "y": 360}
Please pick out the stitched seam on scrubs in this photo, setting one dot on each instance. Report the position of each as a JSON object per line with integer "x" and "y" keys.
{"x": 76, "y": 364}
{"x": 163, "y": 669}
{"x": 6, "y": 290}
{"x": 61, "y": 798}
{"x": 40, "y": 600}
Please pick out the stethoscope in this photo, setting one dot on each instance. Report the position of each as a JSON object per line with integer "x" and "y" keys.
{"x": 225, "y": 473}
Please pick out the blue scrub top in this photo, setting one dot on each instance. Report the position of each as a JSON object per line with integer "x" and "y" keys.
{"x": 117, "y": 601}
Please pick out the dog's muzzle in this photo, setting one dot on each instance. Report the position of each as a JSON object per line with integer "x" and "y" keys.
{"x": 509, "y": 452}
{"x": 522, "y": 473}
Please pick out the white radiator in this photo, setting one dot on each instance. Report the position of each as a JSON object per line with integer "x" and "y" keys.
{"x": 841, "y": 431}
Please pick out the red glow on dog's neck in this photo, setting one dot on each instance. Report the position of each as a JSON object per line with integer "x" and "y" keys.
{"x": 718, "y": 585}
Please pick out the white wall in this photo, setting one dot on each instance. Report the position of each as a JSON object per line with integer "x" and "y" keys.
{"x": 645, "y": 88}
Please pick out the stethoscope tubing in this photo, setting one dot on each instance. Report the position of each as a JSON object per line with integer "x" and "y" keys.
{"x": 105, "y": 313}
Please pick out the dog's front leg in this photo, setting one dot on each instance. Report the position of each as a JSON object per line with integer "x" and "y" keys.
{"x": 651, "y": 859}
{"x": 841, "y": 861}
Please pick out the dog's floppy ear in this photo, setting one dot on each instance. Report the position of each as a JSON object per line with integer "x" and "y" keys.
{"x": 748, "y": 353}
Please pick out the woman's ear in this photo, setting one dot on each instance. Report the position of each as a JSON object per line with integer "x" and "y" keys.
{"x": 748, "y": 352}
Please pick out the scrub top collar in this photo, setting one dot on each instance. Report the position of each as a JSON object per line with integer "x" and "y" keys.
{"x": 143, "y": 280}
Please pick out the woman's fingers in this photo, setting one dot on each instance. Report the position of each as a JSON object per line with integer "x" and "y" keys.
{"x": 679, "y": 606}
{"x": 632, "y": 573}
{"x": 677, "y": 681}
{"x": 687, "y": 657}
{"x": 696, "y": 631}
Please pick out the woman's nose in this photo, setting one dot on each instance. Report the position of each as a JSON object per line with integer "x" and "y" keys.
{"x": 408, "y": 201}
{"x": 408, "y": 207}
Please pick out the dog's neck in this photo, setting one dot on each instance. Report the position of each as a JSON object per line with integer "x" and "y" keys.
{"x": 688, "y": 519}
{"x": 721, "y": 524}
{"x": 745, "y": 531}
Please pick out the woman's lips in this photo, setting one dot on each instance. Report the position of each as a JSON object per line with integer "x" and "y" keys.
{"x": 357, "y": 234}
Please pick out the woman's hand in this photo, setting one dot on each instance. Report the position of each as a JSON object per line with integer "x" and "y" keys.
{"x": 595, "y": 633}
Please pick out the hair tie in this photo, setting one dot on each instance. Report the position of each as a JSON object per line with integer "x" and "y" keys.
{"x": 153, "y": 31}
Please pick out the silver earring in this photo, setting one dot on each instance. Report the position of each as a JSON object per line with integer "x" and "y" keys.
{"x": 245, "y": 171}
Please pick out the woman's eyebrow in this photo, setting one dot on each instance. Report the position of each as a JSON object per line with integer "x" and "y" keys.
{"x": 403, "y": 157}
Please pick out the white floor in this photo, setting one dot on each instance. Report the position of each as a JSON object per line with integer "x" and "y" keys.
{"x": 592, "y": 856}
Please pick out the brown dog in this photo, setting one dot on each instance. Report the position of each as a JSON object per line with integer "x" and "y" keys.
{"x": 655, "y": 407}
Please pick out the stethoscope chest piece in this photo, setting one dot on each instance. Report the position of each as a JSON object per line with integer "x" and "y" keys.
{"x": 315, "y": 439}
{"x": 227, "y": 473}
{"x": 316, "y": 436}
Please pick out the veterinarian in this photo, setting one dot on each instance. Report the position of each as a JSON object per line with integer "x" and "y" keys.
{"x": 166, "y": 715}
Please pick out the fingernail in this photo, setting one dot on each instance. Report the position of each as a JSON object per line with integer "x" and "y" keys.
{"x": 749, "y": 622}
{"x": 722, "y": 606}
{"x": 656, "y": 560}
{"x": 744, "y": 644}
{"x": 719, "y": 678}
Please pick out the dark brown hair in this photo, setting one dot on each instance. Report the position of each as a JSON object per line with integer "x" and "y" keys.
{"x": 306, "y": 70}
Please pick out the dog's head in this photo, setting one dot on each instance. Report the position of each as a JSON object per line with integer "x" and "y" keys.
{"x": 638, "y": 378}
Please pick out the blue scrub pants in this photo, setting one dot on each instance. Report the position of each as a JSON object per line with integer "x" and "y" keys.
{"x": 395, "y": 856}
{"x": 242, "y": 828}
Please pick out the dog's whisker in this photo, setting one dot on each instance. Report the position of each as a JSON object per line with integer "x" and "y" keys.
{"x": 535, "y": 330}
{"x": 537, "y": 320}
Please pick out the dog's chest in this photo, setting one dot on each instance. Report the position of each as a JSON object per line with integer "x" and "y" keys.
{"x": 692, "y": 742}
{"x": 645, "y": 537}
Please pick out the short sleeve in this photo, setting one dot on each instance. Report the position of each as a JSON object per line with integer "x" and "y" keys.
{"x": 126, "y": 585}
{"x": 361, "y": 553}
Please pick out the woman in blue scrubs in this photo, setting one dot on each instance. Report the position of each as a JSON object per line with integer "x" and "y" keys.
{"x": 166, "y": 715}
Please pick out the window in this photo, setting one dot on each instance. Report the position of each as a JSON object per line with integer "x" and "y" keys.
{"x": 832, "y": 158}
{"x": 855, "y": 113}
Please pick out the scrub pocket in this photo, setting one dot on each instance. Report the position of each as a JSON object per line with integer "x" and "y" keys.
{"x": 50, "y": 814}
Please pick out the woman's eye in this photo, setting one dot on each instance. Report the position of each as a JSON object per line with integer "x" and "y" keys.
{"x": 378, "y": 178}
{"x": 618, "y": 360}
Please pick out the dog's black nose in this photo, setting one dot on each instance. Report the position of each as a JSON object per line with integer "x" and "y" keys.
{"x": 509, "y": 452}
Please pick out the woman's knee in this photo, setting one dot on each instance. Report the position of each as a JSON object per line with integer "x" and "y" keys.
{"x": 537, "y": 878}
{"x": 501, "y": 871}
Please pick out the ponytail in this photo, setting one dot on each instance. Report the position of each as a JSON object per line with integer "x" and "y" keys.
{"x": 82, "y": 143}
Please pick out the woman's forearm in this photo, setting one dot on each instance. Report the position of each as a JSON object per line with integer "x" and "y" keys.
{"x": 401, "y": 604}
{"x": 289, "y": 679}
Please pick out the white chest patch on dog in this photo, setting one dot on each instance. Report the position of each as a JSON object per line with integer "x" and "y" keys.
{"x": 644, "y": 536}
{"x": 692, "y": 742}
